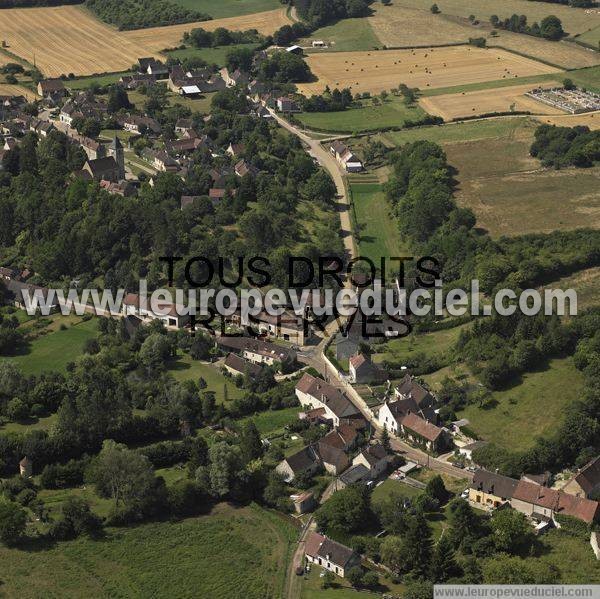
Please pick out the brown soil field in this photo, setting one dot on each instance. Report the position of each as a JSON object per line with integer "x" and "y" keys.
{"x": 432, "y": 67}
{"x": 6, "y": 89}
{"x": 590, "y": 119}
{"x": 451, "y": 106}
{"x": 159, "y": 38}
{"x": 411, "y": 23}
{"x": 69, "y": 39}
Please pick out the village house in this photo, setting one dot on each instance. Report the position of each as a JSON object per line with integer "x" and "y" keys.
{"x": 237, "y": 366}
{"x": 586, "y": 483}
{"x": 242, "y": 168}
{"x": 42, "y": 128}
{"x": 374, "y": 458}
{"x": 16, "y": 290}
{"x": 168, "y": 312}
{"x": 140, "y": 124}
{"x": 235, "y": 150}
{"x": 491, "y": 490}
{"x": 217, "y": 194}
{"x": 544, "y": 504}
{"x": 333, "y": 459}
{"x": 356, "y": 474}
{"x": 154, "y": 67}
{"x": 183, "y": 125}
{"x": 92, "y": 148}
{"x": 287, "y": 105}
{"x": 409, "y": 388}
{"x": 345, "y": 157}
{"x": 164, "y": 163}
{"x": 51, "y": 87}
{"x": 130, "y": 82}
{"x": 234, "y": 78}
{"x": 120, "y": 188}
{"x": 332, "y": 556}
{"x": 304, "y": 502}
{"x": 314, "y": 392}
{"x": 257, "y": 351}
{"x": 362, "y": 369}
{"x": 425, "y": 434}
{"x": 306, "y": 460}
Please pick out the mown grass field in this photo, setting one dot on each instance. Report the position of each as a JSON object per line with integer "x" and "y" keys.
{"x": 184, "y": 368}
{"x": 229, "y": 8}
{"x": 345, "y": 35}
{"x": 369, "y": 117}
{"x": 436, "y": 343}
{"x": 53, "y": 348}
{"x": 273, "y": 421}
{"x": 232, "y": 553}
{"x": 378, "y": 234}
{"x": 529, "y": 409}
{"x": 102, "y": 80}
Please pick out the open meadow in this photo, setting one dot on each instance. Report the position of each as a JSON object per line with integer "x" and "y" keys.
{"x": 69, "y": 39}
{"x": 229, "y": 8}
{"x": 431, "y": 67}
{"x": 535, "y": 406}
{"x": 512, "y": 195}
{"x": 231, "y": 553}
{"x": 503, "y": 99}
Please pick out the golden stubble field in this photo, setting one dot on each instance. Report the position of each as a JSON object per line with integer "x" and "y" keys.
{"x": 589, "y": 119}
{"x": 376, "y": 71}
{"x": 502, "y": 99}
{"x": 411, "y": 23}
{"x": 69, "y": 39}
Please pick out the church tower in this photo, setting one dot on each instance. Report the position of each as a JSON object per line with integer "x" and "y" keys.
{"x": 115, "y": 149}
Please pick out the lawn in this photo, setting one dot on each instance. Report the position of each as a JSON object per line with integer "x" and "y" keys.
{"x": 436, "y": 343}
{"x": 344, "y": 36}
{"x": 273, "y": 421}
{"x": 184, "y": 368}
{"x": 54, "y": 348}
{"x": 232, "y": 553}
{"x": 378, "y": 234}
{"x": 391, "y": 487}
{"x": 229, "y": 8}
{"x": 102, "y": 80}
{"x": 591, "y": 37}
{"x": 216, "y": 56}
{"x": 532, "y": 408}
{"x": 391, "y": 113}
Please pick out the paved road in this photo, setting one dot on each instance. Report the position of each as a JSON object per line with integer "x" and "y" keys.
{"x": 329, "y": 163}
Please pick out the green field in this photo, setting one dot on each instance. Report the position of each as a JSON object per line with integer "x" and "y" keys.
{"x": 591, "y": 37}
{"x": 378, "y": 234}
{"x": 347, "y": 35}
{"x": 273, "y": 421}
{"x": 216, "y": 56}
{"x": 229, "y": 8}
{"x": 53, "y": 349}
{"x": 588, "y": 78}
{"x": 233, "y": 553}
{"x": 530, "y": 409}
{"x": 587, "y": 285}
{"x": 436, "y": 343}
{"x": 184, "y": 368}
{"x": 391, "y": 487}
{"x": 466, "y": 131}
{"x": 391, "y": 113}
{"x": 102, "y": 80}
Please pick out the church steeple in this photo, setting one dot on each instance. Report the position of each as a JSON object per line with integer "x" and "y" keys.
{"x": 115, "y": 149}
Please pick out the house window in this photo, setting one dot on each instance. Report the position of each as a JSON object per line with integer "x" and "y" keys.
{"x": 478, "y": 499}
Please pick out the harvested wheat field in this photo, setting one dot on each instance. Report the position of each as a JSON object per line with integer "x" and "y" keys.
{"x": 397, "y": 25}
{"x": 69, "y": 39}
{"x": 7, "y": 89}
{"x": 66, "y": 39}
{"x": 503, "y": 99}
{"x": 158, "y": 38}
{"x": 589, "y": 119}
{"x": 430, "y": 67}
